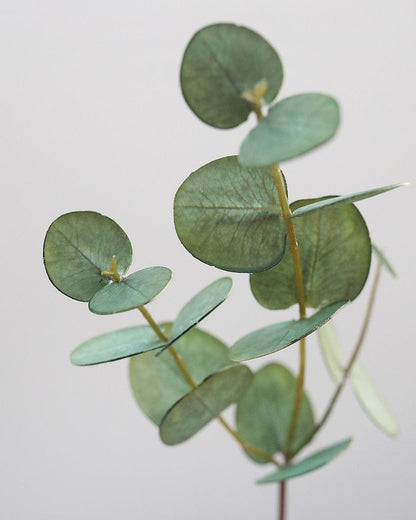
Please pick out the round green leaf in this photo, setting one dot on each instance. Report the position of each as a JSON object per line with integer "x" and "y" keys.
{"x": 230, "y": 216}
{"x": 265, "y": 410}
{"x": 280, "y": 335}
{"x": 204, "y": 403}
{"x": 315, "y": 461}
{"x": 157, "y": 382}
{"x": 292, "y": 127}
{"x": 222, "y": 62}
{"x": 129, "y": 293}
{"x": 116, "y": 345}
{"x": 78, "y": 247}
{"x": 335, "y": 255}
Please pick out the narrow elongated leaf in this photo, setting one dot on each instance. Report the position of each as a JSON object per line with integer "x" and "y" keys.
{"x": 230, "y": 216}
{"x": 281, "y": 335}
{"x": 331, "y": 351}
{"x": 265, "y": 410}
{"x": 157, "y": 382}
{"x": 335, "y": 256}
{"x": 220, "y": 63}
{"x": 343, "y": 199}
{"x": 292, "y": 127}
{"x": 315, "y": 461}
{"x": 204, "y": 403}
{"x": 78, "y": 247}
{"x": 372, "y": 401}
{"x": 384, "y": 260}
{"x": 116, "y": 345}
{"x": 366, "y": 392}
{"x": 131, "y": 292}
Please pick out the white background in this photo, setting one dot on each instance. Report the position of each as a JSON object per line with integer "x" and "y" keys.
{"x": 92, "y": 118}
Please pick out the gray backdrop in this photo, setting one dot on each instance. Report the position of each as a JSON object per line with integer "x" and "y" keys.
{"x": 92, "y": 118}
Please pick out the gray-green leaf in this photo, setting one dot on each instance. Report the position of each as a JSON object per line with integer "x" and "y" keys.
{"x": 204, "y": 403}
{"x": 315, "y": 461}
{"x": 131, "y": 292}
{"x": 264, "y": 412}
{"x": 230, "y": 216}
{"x": 280, "y": 335}
{"x": 220, "y": 63}
{"x": 78, "y": 247}
{"x": 292, "y": 127}
{"x": 335, "y": 256}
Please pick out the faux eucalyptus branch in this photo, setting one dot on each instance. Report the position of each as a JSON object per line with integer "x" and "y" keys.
{"x": 234, "y": 213}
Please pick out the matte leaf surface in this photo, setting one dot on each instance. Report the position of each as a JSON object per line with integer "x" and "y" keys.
{"x": 265, "y": 410}
{"x": 204, "y": 403}
{"x": 78, "y": 247}
{"x": 292, "y": 127}
{"x": 131, "y": 292}
{"x": 366, "y": 392}
{"x": 157, "y": 382}
{"x": 116, "y": 345}
{"x": 335, "y": 256}
{"x": 281, "y": 335}
{"x": 230, "y": 216}
{"x": 220, "y": 63}
{"x": 343, "y": 199}
{"x": 315, "y": 461}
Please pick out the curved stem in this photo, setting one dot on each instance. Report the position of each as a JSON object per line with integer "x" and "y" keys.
{"x": 189, "y": 379}
{"x": 353, "y": 358}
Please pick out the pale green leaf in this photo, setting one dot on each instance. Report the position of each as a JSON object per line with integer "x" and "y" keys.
{"x": 331, "y": 351}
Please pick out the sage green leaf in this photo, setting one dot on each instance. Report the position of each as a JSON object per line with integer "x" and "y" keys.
{"x": 366, "y": 392}
{"x": 116, "y": 345}
{"x": 229, "y": 216}
{"x": 157, "y": 382}
{"x": 381, "y": 257}
{"x": 372, "y": 401}
{"x": 292, "y": 127}
{"x": 279, "y": 336}
{"x": 220, "y": 64}
{"x": 78, "y": 247}
{"x": 131, "y": 292}
{"x": 335, "y": 256}
{"x": 265, "y": 410}
{"x": 343, "y": 199}
{"x": 331, "y": 351}
{"x": 204, "y": 403}
{"x": 315, "y": 461}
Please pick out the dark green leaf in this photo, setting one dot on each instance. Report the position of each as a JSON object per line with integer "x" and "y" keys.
{"x": 157, "y": 382}
{"x": 129, "y": 293}
{"x": 78, "y": 247}
{"x": 222, "y": 62}
{"x": 230, "y": 217}
{"x": 292, "y": 127}
{"x": 265, "y": 410}
{"x": 204, "y": 403}
{"x": 307, "y": 465}
{"x": 116, "y": 345}
{"x": 335, "y": 255}
{"x": 281, "y": 335}
{"x": 343, "y": 199}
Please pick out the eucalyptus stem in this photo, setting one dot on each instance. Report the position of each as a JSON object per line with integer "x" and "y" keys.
{"x": 189, "y": 379}
{"x": 282, "y": 500}
{"x": 354, "y": 355}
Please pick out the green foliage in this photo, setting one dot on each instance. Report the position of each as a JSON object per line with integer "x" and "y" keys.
{"x": 157, "y": 381}
{"x": 265, "y": 410}
{"x": 204, "y": 403}
{"x": 292, "y": 127}
{"x": 230, "y": 217}
{"x": 335, "y": 253}
{"x": 220, "y": 64}
{"x": 315, "y": 461}
{"x": 234, "y": 214}
{"x": 276, "y": 337}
